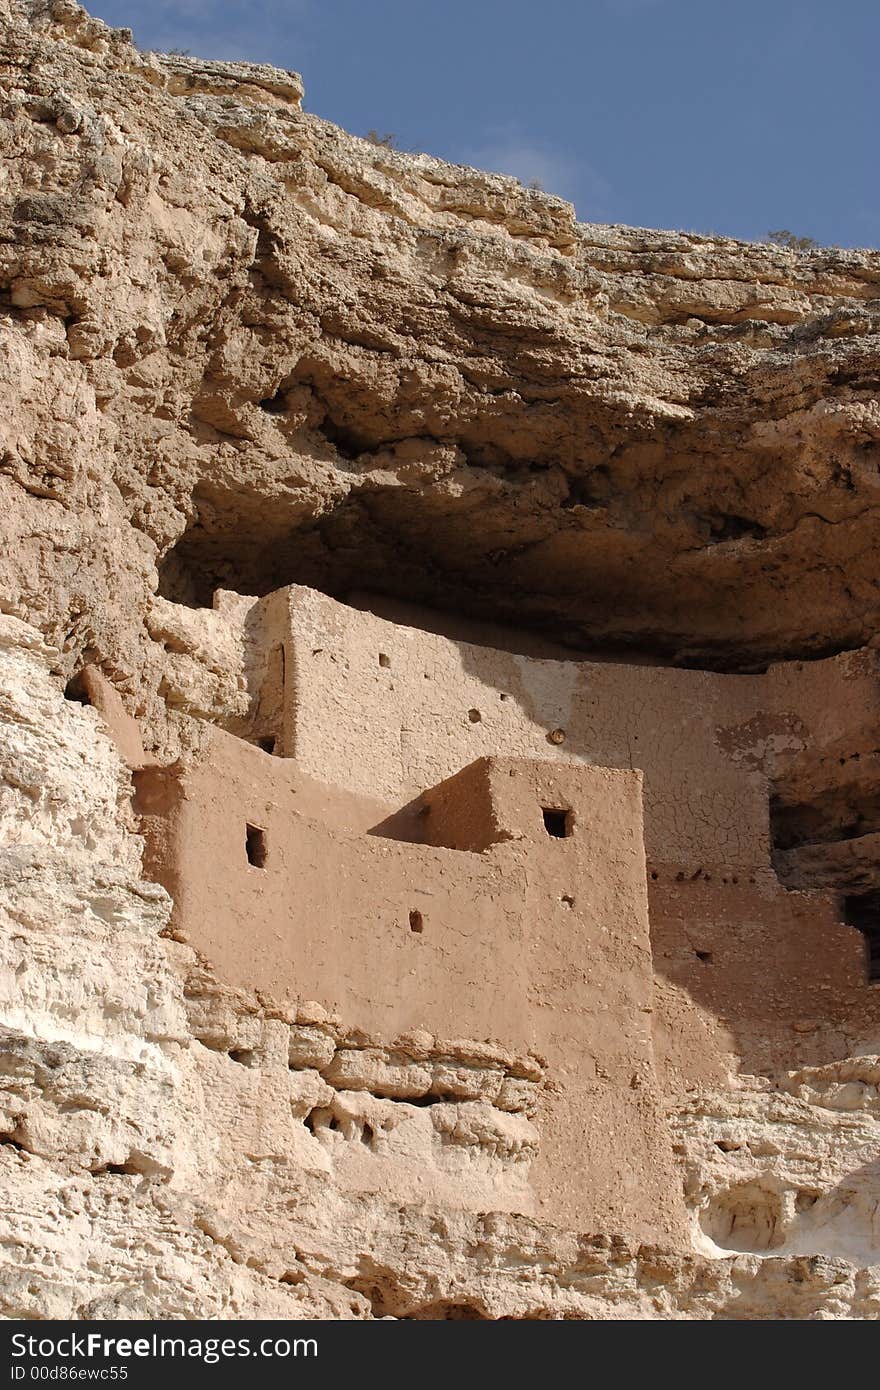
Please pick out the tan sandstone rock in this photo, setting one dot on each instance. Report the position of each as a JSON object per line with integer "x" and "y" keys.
{"x": 438, "y": 728}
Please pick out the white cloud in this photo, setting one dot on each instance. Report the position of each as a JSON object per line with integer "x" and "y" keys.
{"x": 509, "y": 151}
{"x": 271, "y": 31}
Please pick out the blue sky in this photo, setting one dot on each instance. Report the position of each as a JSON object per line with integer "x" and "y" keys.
{"x": 734, "y": 116}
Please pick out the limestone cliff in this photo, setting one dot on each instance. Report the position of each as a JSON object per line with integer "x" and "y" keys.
{"x": 241, "y": 349}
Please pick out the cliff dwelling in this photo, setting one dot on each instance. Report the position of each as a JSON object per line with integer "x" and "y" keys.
{"x": 449, "y": 840}
{"x": 439, "y": 708}
{"x": 394, "y": 735}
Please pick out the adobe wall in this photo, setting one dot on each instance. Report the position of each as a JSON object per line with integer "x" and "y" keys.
{"x": 387, "y": 710}
{"x": 393, "y": 727}
{"x": 774, "y": 977}
{"x": 539, "y": 945}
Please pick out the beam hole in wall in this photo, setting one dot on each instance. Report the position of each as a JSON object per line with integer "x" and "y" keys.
{"x": 567, "y": 900}
{"x": 474, "y": 716}
{"x": 384, "y": 659}
{"x": 862, "y": 910}
{"x": 416, "y": 921}
{"x": 704, "y": 956}
{"x": 256, "y": 846}
{"x": 558, "y": 822}
{"x": 267, "y": 744}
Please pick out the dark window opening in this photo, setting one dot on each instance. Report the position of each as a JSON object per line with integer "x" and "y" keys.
{"x": 862, "y": 911}
{"x": 384, "y": 659}
{"x": 75, "y": 689}
{"x": 558, "y": 823}
{"x": 255, "y": 844}
{"x": 416, "y": 921}
{"x": 267, "y": 744}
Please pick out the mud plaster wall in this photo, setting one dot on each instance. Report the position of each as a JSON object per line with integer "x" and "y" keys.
{"x": 393, "y": 727}
{"x": 390, "y": 707}
{"x": 779, "y": 968}
{"x": 378, "y": 706}
{"x": 540, "y": 944}
{"x": 388, "y": 710}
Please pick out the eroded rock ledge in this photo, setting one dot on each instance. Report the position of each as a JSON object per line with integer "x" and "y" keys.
{"x": 251, "y": 349}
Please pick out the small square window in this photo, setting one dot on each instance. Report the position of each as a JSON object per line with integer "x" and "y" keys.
{"x": 558, "y": 822}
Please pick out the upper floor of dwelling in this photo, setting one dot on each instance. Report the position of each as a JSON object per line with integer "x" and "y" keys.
{"x": 382, "y": 714}
{"x": 386, "y": 708}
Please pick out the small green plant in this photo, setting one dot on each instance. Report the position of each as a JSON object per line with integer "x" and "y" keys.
{"x": 791, "y": 242}
{"x": 388, "y": 140}
{"x": 535, "y": 184}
